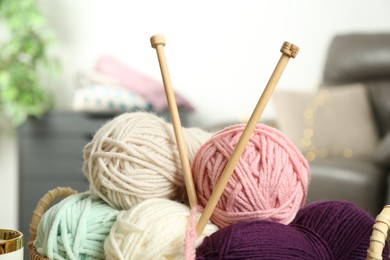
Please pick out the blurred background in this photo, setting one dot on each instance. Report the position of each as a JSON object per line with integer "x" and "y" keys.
{"x": 220, "y": 56}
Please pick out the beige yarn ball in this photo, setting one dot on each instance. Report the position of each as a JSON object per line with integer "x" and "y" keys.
{"x": 134, "y": 157}
{"x": 153, "y": 229}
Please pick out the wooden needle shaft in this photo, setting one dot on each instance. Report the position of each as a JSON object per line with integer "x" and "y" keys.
{"x": 158, "y": 42}
{"x": 288, "y": 50}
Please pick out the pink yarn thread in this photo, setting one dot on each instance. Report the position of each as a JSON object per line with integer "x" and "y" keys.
{"x": 191, "y": 235}
{"x": 269, "y": 182}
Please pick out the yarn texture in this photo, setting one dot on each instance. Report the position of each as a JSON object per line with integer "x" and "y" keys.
{"x": 75, "y": 228}
{"x": 345, "y": 227}
{"x": 269, "y": 182}
{"x": 191, "y": 235}
{"x": 263, "y": 240}
{"x": 135, "y": 157}
{"x": 153, "y": 229}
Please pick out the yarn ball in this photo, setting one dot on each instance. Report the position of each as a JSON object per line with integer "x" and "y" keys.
{"x": 135, "y": 157}
{"x": 344, "y": 226}
{"x": 263, "y": 239}
{"x": 75, "y": 228}
{"x": 153, "y": 229}
{"x": 269, "y": 182}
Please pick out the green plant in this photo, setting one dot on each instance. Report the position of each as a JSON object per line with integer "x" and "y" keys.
{"x": 23, "y": 58}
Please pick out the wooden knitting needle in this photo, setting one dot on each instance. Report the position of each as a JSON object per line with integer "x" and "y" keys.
{"x": 288, "y": 50}
{"x": 158, "y": 42}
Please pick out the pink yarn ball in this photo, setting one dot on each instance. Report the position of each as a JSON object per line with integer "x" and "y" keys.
{"x": 269, "y": 182}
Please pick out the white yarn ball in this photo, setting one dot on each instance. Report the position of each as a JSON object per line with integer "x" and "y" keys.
{"x": 135, "y": 157}
{"x": 153, "y": 229}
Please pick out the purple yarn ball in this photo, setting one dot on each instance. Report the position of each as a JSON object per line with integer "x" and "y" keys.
{"x": 263, "y": 240}
{"x": 345, "y": 227}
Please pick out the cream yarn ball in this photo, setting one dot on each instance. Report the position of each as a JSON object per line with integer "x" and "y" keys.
{"x": 153, "y": 229}
{"x": 134, "y": 157}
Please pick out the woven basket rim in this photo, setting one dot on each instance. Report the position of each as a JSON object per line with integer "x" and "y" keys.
{"x": 34, "y": 253}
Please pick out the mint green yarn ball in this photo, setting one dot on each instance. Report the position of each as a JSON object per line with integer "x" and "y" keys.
{"x": 75, "y": 228}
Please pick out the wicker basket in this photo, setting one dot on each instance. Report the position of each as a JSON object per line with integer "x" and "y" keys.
{"x": 374, "y": 252}
{"x": 41, "y": 208}
{"x": 379, "y": 235}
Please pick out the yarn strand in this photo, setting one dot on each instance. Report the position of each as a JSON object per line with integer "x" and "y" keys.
{"x": 191, "y": 235}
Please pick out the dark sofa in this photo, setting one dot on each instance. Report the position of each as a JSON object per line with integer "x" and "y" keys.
{"x": 358, "y": 58}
